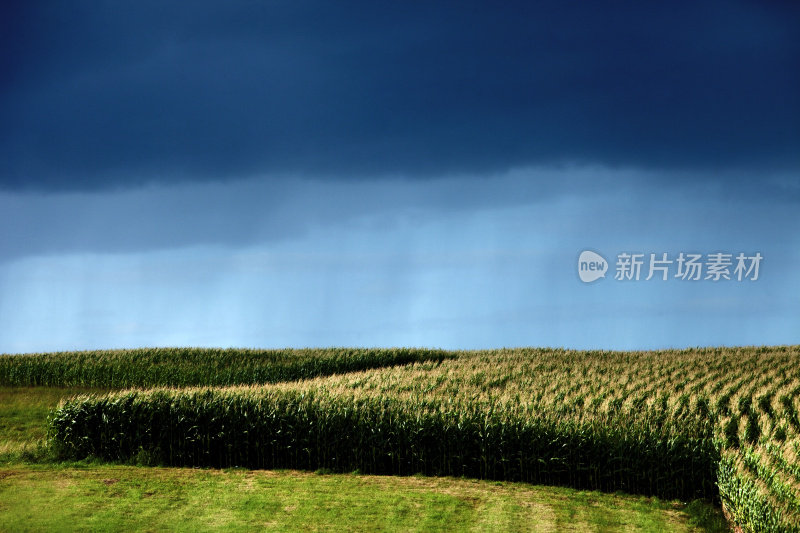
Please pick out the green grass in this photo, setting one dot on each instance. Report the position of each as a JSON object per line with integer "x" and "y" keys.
{"x": 130, "y": 498}
{"x": 23, "y": 415}
{"x": 86, "y": 496}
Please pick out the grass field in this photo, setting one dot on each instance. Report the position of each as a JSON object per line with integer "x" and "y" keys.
{"x": 23, "y": 416}
{"x": 129, "y": 498}
{"x": 720, "y": 424}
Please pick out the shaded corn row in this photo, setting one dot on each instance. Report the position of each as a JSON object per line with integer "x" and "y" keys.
{"x": 278, "y": 428}
{"x": 196, "y": 366}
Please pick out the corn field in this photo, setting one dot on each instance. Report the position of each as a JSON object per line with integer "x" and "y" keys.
{"x": 716, "y": 423}
{"x": 181, "y": 367}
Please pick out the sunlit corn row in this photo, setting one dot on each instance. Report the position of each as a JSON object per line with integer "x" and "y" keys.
{"x": 759, "y": 480}
{"x": 195, "y": 366}
{"x": 718, "y": 383}
{"x": 751, "y": 500}
{"x": 620, "y": 410}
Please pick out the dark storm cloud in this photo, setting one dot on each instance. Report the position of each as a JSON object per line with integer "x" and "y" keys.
{"x": 105, "y": 95}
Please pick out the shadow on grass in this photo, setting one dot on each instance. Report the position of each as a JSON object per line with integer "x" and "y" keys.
{"x": 707, "y": 517}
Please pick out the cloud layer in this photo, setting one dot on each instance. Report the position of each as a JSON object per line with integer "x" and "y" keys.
{"x": 98, "y": 95}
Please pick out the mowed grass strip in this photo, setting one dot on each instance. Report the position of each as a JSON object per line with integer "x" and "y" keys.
{"x": 23, "y": 415}
{"x": 129, "y": 498}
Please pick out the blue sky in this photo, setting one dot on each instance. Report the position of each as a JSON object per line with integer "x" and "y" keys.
{"x": 299, "y": 174}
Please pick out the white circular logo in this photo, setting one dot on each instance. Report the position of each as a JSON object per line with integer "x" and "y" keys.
{"x": 591, "y": 266}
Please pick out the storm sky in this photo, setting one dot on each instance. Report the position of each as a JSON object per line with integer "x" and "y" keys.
{"x": 270, "y": 174}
